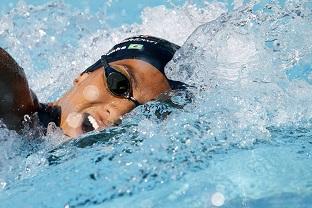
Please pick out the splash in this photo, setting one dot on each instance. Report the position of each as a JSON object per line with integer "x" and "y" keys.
{"x": 54, "y": 42}
{"x": 239, "y": 67}
{"x": 234, "y": 136}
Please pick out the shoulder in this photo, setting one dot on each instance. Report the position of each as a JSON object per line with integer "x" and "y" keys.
{"x": 16, "y": 98}
{"x": 6, "y": 61}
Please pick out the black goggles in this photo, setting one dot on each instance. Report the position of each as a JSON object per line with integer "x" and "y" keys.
{"x": 118, "y": 84}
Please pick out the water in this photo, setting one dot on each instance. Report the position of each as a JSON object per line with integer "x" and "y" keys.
{"x": 240, "y": 137}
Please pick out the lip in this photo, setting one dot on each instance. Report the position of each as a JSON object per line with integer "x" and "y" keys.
{"x": 87, "y": 126}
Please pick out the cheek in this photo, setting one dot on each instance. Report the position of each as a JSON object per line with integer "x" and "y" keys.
{"x": 91, "y": 93}
{"x": 81, "y": 97}
{"x": 121, "y": 105}
{"x": 151, "y": 85}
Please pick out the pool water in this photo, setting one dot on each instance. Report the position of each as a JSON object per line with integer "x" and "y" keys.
{"x": 239, "y": 137}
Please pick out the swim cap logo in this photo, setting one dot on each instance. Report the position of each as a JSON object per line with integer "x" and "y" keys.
{"x": 116, "y": 49}
{"x": 135, "y": 46}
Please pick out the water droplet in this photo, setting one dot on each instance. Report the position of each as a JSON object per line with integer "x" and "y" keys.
{"x": 2, "y": 184}
{"x": 42, "y": 33}
{"x": 217, "y": 199}
{"x": 188, "y": 142}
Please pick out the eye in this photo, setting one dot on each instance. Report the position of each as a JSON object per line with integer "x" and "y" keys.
{"x": 118, "y": 83}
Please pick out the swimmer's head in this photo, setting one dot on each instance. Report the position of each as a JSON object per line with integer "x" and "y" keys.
{"x": 100, "y": 98}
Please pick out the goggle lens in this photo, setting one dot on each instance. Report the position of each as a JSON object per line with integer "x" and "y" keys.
{"x": 118, "y": 83}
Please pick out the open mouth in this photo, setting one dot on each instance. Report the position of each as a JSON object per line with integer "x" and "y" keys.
{"x": 89, "y": 123}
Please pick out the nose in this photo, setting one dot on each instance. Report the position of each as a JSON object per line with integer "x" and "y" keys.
{"x": 105, "y": 115}
{"x": 111, "y": 113}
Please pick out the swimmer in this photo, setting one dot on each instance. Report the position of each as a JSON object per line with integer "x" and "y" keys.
{"x": 128, "y": 75}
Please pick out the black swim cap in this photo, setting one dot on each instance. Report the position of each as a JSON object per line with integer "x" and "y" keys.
{"x": 155, "y": 51}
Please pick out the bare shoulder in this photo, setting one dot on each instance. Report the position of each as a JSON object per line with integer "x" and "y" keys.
{"x": 16, "y": 98}
{"x": 6, "y": 60}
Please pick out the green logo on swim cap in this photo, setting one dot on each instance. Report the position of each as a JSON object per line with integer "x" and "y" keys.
{"x": 135, "y": 46}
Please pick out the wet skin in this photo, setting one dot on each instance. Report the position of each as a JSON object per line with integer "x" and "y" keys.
{"x": 90, "y": 95}
{"x": 16, "y": 98}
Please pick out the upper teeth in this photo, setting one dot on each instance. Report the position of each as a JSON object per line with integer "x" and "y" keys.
{"x": 95, "y": 125}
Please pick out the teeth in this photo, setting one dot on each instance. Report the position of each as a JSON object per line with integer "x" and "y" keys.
{"x": 95, "y": 125}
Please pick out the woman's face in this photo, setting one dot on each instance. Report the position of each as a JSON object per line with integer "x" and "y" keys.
{"x": 90, "y": 105}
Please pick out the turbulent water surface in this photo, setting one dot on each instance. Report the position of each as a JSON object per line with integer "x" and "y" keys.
{"x": 240, "y": 136}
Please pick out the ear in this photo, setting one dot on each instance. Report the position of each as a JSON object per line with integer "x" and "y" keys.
{"x": 80, "y": 78}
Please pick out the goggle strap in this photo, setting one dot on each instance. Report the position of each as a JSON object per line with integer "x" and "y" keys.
{"x": 93, "y": 67}
{"x": 104, "y": 61}
{"x": 136, "y": 103}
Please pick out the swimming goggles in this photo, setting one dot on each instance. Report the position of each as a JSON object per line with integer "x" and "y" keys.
{"x": 117, "y": 83}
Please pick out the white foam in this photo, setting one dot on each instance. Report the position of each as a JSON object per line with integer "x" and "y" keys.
{"x": 241, "y": 83}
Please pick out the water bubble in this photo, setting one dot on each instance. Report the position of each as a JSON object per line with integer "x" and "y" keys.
{"x": 91, "y": 93}
{"x": 5, "y": 24}
{"x": 2, "y": 184}
{"x": 188, "y": 142}
{"x": 74, "y": 119}
{"x": 41, "y": 33}
{"x": 217, "y": 199}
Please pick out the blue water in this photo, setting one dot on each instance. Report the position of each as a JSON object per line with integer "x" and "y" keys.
{"x": 240, "y": 137}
